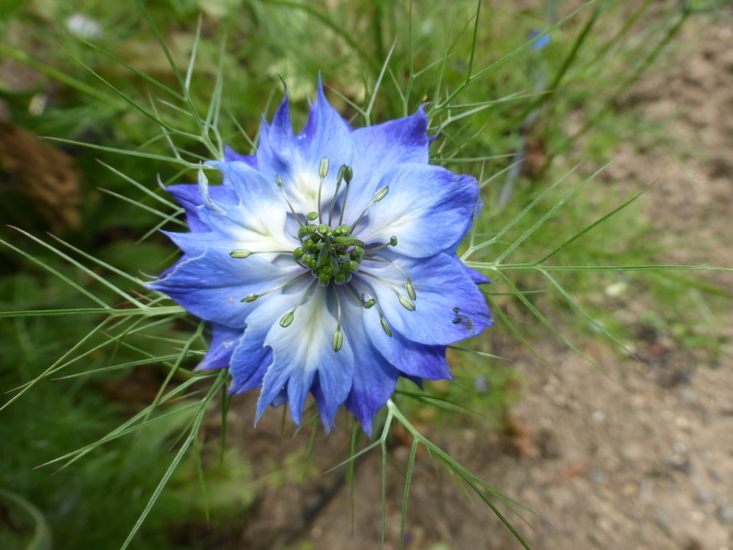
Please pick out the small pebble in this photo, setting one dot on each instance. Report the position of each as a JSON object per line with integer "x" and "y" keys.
{"x": 697, "y": 516}
{"x": 598, "y": 416}
{"x": 725, "y": 514}
{"x": 681, "y": 422}
{"x": 596, "y": 476}
{"x": 688, "y": 395}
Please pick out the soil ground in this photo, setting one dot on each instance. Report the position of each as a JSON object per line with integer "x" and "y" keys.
{"x": 638, "y": 458}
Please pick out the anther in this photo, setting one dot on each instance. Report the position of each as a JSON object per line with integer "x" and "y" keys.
{"x": 240, "y": 253}
{"x": 378, "y": 196}
{"x": 408, "y": 286}
{"x": 322, "y": 172}
{"x": 348, "y": 176}
{"x": 385, "y": 326}
{"x": 253, "y": 297}
{"x": 281, "y": 185}
{"x": 338, "y": 336}
{"x": 392, "y": 242}
{"x": 243, "y": 253}
{"x": 339, "y": 179}
{"x": 288, "y": 318}
{"x": 338, "y": 340}
{"x": 323, "y": 168}
{"x": 365, "y": 304}
{"x": 406, "y": 302}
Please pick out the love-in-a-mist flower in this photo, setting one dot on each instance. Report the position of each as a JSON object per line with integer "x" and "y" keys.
{"x": 326, "y": 263}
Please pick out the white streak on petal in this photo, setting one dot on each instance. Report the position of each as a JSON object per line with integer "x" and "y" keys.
{"x": 304, "y": 348}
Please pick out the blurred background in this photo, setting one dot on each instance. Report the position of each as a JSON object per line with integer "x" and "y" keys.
{"x": 635, "y": 453}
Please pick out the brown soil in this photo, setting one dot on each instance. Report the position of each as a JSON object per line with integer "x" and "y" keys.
{"x": 638, "y": 458}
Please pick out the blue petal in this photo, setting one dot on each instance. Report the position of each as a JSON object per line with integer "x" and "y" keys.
{"x": 297, "y": 159}
{"x": 260, "y": 221}
{"x": 211, "y": 285}
{"x": 189, "y": 197}
{"x": 252, "y": 358}
{"x": 476, "y": 277}
{"x": 223, "y": 343}
{"x": 232, "y": 156}
{"x": 441, "y": 285}
{"x": 411, "y": 358}
{"x": 428, "y": 209}
{"x": 379, "y": 149}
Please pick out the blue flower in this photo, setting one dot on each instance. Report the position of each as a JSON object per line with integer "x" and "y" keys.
{"x": 326, "y": 263}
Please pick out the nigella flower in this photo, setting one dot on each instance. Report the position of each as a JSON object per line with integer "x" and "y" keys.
{"x": 326, "y": 263}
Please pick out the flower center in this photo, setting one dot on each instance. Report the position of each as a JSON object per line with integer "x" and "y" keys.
{"x": 335, "y": 254}
{"x": 331, "y": 254}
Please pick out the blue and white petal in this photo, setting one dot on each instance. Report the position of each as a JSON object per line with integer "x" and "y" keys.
{"x": 428, "y": 209}
{"x": 300, "y": 351}
{"x": 375, "y": 377}
{"x": 449, "y": 305}
{"x": 211, "y": 286}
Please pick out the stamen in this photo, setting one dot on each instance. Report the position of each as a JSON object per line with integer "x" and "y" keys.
{"x": 408, "y": 286}
{"x": 348, "y": 175}
{"x": 366, "y": 305}
{"x": 378, "y": 196}
{"x": 339, "y": 178}
{"x": 253, "y": 297}
{"x": 241, "y": 253}
{"x": 322, "y": 172}
{"x": 385, "y": 326}
{"x": 405, "y": 301}
{"x": 369, "y": 303}
{"x": 392, "y": 242}
{"x": 338, "y": 337}
{"x": 287, "y": 319}
{"x": 280, "y": 184}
